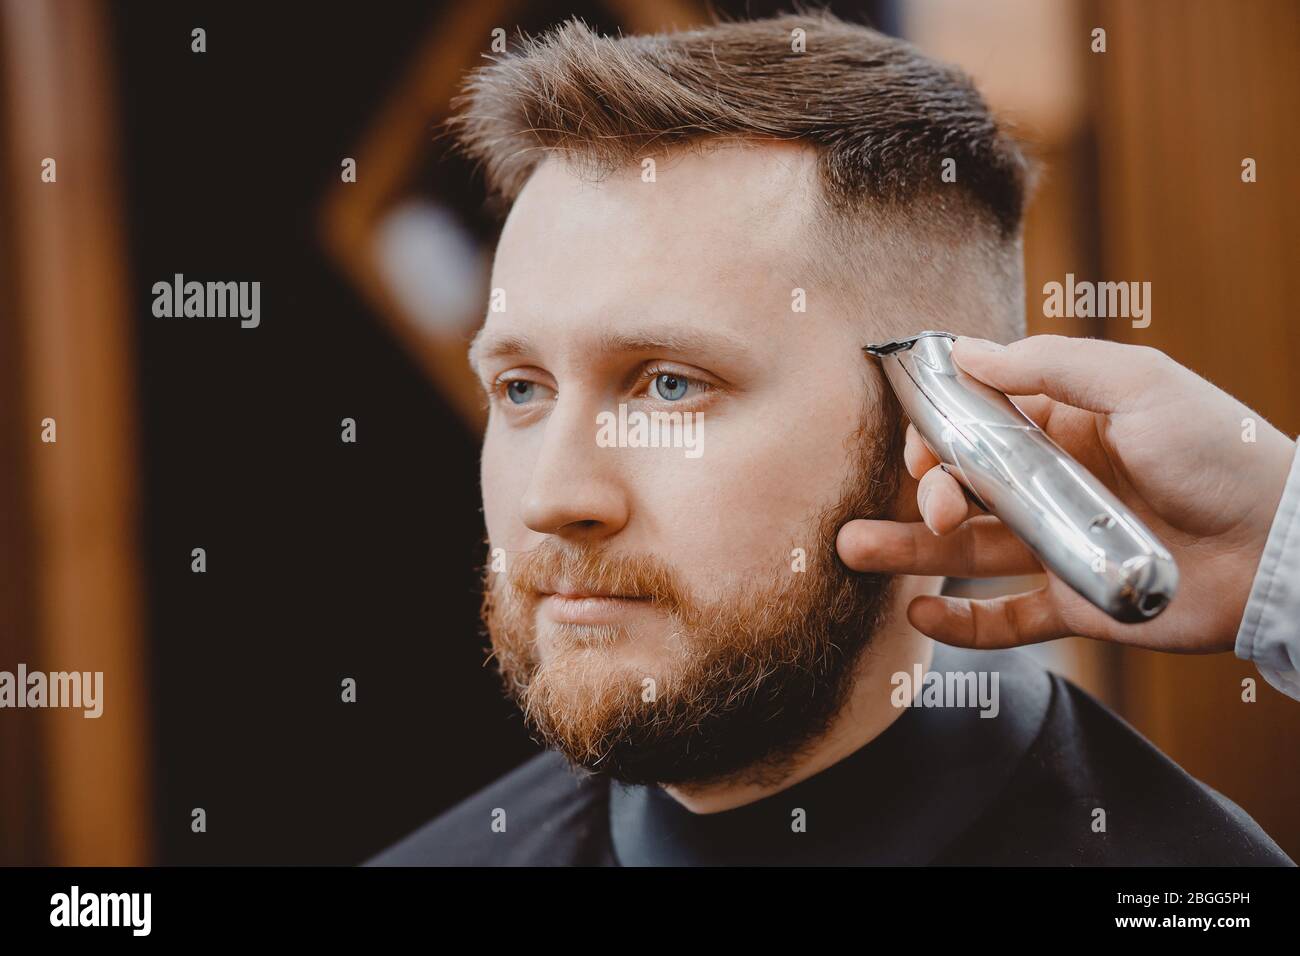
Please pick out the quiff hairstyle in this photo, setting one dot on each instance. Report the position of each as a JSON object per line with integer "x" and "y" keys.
{"x": 882, "y": 117}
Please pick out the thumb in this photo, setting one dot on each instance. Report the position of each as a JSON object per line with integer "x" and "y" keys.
{"x": 1093, "y": 374}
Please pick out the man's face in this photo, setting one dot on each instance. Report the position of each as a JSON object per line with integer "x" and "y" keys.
{"x": 676, "y": 614}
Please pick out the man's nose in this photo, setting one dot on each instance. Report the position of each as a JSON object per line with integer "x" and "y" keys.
{"x": 576, "y": 490}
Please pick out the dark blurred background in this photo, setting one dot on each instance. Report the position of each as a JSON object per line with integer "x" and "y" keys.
{"x": 328, "y": 560}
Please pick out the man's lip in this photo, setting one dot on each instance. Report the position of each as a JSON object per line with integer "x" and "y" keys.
{"x": 586, "y": 608}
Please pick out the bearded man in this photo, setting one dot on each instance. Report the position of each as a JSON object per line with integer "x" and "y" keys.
{"x": 712, "y": 223}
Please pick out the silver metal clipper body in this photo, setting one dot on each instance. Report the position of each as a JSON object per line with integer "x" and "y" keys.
{"x": 1069, "y": 519}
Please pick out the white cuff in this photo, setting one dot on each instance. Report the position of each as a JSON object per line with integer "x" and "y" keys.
{"x": 1270, "y": 628}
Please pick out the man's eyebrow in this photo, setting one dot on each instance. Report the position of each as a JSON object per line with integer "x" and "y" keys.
{"x": 680, "y": 340}
{"x": 487, "y": 345}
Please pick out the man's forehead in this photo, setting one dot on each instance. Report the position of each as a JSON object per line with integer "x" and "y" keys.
{"x": 707, "y": 252}
{"x": 724, "y": 201}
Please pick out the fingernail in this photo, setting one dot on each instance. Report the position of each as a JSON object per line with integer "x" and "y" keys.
{"x": 982, "y": 345}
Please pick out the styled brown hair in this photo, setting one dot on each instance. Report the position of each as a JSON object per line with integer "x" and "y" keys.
{"x": 882, "y": 117}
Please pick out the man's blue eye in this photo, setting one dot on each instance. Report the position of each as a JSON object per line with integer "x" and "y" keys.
{"x": 671, "y": 387}
{"x": 520, "y": 391}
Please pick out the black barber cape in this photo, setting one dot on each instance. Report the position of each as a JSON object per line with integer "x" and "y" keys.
{"x": 942, "y": 785}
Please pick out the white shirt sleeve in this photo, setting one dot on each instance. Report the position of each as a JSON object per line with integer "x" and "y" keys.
{"x": 1270, "y": 628}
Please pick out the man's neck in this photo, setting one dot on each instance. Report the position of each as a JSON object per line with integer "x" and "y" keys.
{"x": 896, "y": 647}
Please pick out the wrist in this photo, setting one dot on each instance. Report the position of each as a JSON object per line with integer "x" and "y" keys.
{"x": 1275, "y": 457}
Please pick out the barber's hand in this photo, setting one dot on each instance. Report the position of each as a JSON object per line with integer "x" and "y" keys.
{"x": 1165, "y": 441}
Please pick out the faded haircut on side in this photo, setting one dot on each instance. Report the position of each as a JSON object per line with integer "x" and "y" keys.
{"x": 882, "y": 118}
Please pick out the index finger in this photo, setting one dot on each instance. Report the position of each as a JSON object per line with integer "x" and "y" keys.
{"x": 1093, "y": 374}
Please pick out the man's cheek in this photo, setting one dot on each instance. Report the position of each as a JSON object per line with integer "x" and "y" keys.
{"x": 772, "y": 487}
{"x": 715, "y": 523}
{"x": 504, "y": 479}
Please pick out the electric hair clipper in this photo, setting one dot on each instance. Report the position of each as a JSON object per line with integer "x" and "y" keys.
{"x": 1010, "y": 468}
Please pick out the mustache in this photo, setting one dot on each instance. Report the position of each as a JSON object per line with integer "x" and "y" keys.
{"x": 552, "y": 567}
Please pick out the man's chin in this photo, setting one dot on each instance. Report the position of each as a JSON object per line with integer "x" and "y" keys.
{"x": 645, "y": 652}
